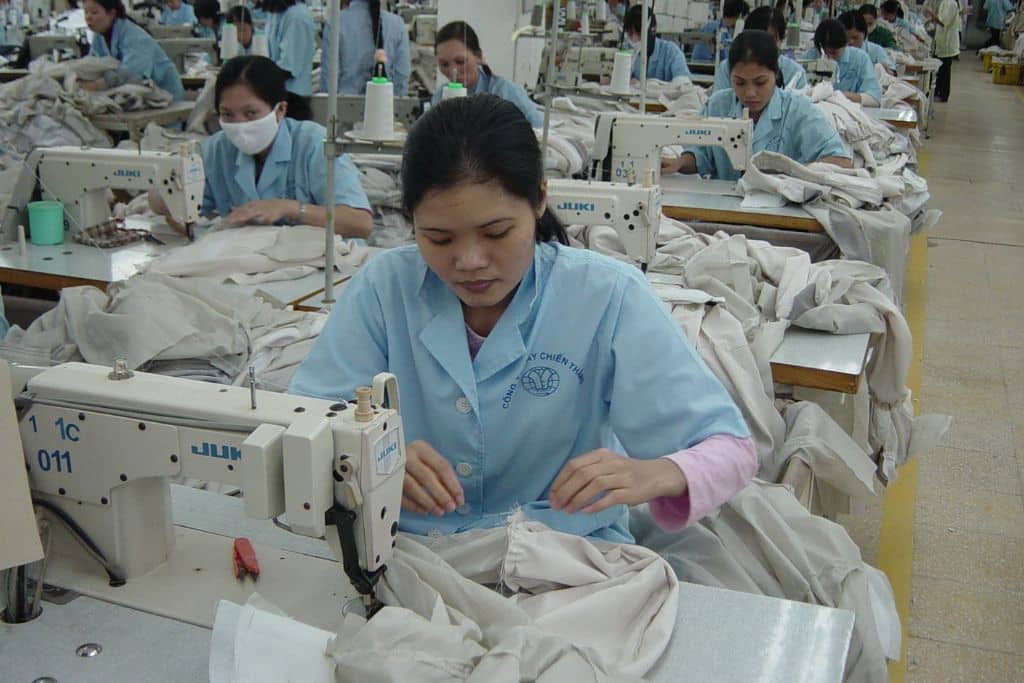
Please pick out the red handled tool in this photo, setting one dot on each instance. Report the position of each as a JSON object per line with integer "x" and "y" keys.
{"x": 245, "y": 560}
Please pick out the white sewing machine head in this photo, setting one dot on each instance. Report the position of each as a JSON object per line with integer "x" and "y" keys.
{"x": 79, "y": 177}
{"x": 822, "y": 69}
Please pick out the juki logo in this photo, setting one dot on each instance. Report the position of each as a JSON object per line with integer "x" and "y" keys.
{"x": 212, "y": 450}
{"x": 387, "y": 450}
{"x": 698, "y": 131}
{"x": 127, "y": 173}
{"x": 577, "y": 206}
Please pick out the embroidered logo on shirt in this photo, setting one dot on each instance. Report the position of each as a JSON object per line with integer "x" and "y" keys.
{"x": 540, "y": 380}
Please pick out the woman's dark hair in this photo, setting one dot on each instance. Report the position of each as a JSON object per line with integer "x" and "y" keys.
{"x": 262, "y": 75}
{"x": 208, "y": 9}
{"x": 757, "y": 47}
{"x": 378, "y": 34}
{"x": 116, "y": 6}
{"x": 277, "y": 6}
{"x": 464, "y": 33}
{"x": 764, "y": 18}
{"x": 854, "y": 21}
{"x": 239, "y": 14}
{"x": 868, "y": 9}
{"x": 830, "y": 35}
{"x": 735, "y": 8}
{"x": 892, "y": 7}
{"x": 476, "y": 139}
{"x": 632, "y": 21}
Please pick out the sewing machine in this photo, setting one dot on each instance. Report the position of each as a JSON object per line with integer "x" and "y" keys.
{"x": 177, "y": 47}
{"x": 350, "y": 110}
{"x": 579, "y": 63}
{"x": 40, "y": 44}
{"x": 100, "y": 446}
{"x": 627, "y": 147}
{"x": 633, "y": 210}
{"x": 822, "y": 69}
{"x": 79, "y": 177}
{"x": 162, "y": 32}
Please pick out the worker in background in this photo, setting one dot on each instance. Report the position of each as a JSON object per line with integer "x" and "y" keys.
{"x": 772, "y": 21}
{"x": 516, "y": 397}
{"x": 996, "y": 19}
{"x": 178, "y": 13}
{"x": 877, "y": 33}
{"x": 369, "y": 36}
{"x": 265, "y": 168}
{"x": 208, "y": 19}
{"x": 855, "y": 75}
{"x": 731, "y": 13}
{"x": 856, "y": 36}
{"x": 893, "y": 13}
{"x": 291, "y": 39}
{"x": 240, "y": 16}
{"x": 946, "y": 44}
{"x": 665, "y": 60}
{"x": 139, "y": 55}
{"x": 460, "y": 60}
{"x": 784, "y": 121}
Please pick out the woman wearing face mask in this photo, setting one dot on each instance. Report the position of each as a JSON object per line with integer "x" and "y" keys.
{"x": 140, "y": 56}
{"x": 517, "y": 396}
{"x": 857, "y": 33}
{"x": 461, "y": 60}
{"x": 855, "y": 75}
{"x": 784, "y": 121}
{"x": 665, "y": 60}
{"x": 291, "y": 39}
{"x": 770, "y": 20}
{"x": 264, "y": 168}
{"x": 369, "y": 35}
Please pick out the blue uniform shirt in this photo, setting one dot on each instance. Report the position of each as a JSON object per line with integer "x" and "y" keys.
{"x": 506, "y": 90}
{"x": 790, "y": 125}
{"x": 856, "y": 73}
{"x": 878, "y": 55}
{"x": 140, "y": 57}
{"x": 295, "y": 169}
{"x": 207, "y": 32}
{"x": 666, "y": 63}
{"x": 704, "y": 53}
{"x": 183, "y": 16}
{"x": 356, "y": 55}
{"x": 790, "y": 69}
{"x": 997, "y": 10}
{"x": 554, "y": 379}
{"x": 291, "y": 38}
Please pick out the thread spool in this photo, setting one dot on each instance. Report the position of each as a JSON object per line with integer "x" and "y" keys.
{"x": 621, "y": 72}
{"x": 570, "y": 10}
{"x": 228, "y": 42}
{"x": 259, "y": 45}
{"x": 379, "y": 110}
{"x": 453, "y": 90}
{"x": 585, "y": 21}
{"x": 602, "y": 11}
{"x": 364, "y": 413}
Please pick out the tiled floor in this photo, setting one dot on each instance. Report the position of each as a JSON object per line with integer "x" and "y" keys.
{"x": 966, "y": 617}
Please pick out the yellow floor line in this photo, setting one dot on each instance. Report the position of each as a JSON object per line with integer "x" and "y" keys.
{"x": 896, "y": 542}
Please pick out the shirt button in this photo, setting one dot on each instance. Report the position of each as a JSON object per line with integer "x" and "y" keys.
{"x": 435, "y": 533}
{"x": 463, "y": 509}
{"x": 463, "y": 405}
{"x": 464, "y": 469}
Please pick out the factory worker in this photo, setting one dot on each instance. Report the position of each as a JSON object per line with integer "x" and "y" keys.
{"x": 291, "y": 38}
{"x": 665, "y": 60}
{"x": 265, "y": 168}
{"x": 208, "y": 18}
{"x": 515, "y": 395}
{"x": 178, "y": 13}
{"x": 731, "y": 13}
{"x": 772, "y": 21}
{"x": 461, "y": 60}
{"x": 997, "y": 10}
{"x": 855, "y": 75}
{"x": 242, "y": 18}
{"x": 140, "y": 56}
{"x": 856, "y": 36}
{"x": 784, "y": 121}
{"x": 369, "y": 35}
{"x": 893, "y": 13}
{"x": 877, "y": 33}
{"x": 947, "y": 44}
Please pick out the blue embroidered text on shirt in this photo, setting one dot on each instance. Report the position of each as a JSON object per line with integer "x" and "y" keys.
{"x": 559, "y": 359}
{"x": 541, "y": 380}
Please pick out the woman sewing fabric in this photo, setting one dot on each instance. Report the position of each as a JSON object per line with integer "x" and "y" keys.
{"x": 140, "y": 56}
{"x": 732, "y": 11}
{"x": 461, "y": 60}
{"x": 665, "y": 60}
{"x": 264, "y": 168}
{"x": 369, "y": 35}
{"x": 857, "y": 34}
{"x": 855, "y": 75}
{"x": 772, "y": 21}
{"x": 240, "y": 16}
{"x": 291, "y": 39}
{"x": 784, "y": 121}
{"x": 178, "y": 13}
{"x": 514, "y": 395}
{"x": 208, "y": 19}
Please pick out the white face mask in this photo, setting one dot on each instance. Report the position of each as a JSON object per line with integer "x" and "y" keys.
{"x": 252, "y": 137}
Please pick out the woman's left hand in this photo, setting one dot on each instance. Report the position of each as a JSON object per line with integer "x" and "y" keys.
{"x": 624, "y": 481}
{"x": 261, "y": 212}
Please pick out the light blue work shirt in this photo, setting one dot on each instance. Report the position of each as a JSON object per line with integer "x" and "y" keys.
{"x": 665, "y": 64}
{"x": 855, "y": 72}
{"x": 207, "y": 32}
{"x": 295, "y": 169}
{"x": 183, "y": 16}
{"x": 4, "y": 325}
{"x": 997, "y": 10}
{"x": 356, "y": 54}
{"x": 789, "y": 125}
{"x": 291, "y": 38}
{"x": 705, "y": 53}
{"x": 506, "y": 90}
{"x": 878, "y": 54}
{"x": 790, "y": 70}
{"x": 554, "y": 380}
{"x": 140, "y": 57}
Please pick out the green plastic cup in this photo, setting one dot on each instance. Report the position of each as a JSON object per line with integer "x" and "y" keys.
{"x": 46, "y": 222}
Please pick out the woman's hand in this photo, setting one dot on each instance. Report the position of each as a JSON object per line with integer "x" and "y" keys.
{"x": 262, "y": 212}
{"x": 671, "y": 164}
{"x": 91, "y": 86}
{"x": 623, "y": 480}
{"x": 431, "y": 487}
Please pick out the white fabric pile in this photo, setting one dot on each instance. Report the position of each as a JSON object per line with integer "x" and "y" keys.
{"x": 896, "y": 91}
{"x": 869, "y": 140}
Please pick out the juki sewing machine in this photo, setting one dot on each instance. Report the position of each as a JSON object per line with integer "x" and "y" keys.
{"x": 822, "y": 69}
{"x": 79, "y": 177}
{"x": 580, "y": 63}
{"x": 179, "y": 46}
{"x": 100, "y": 446}
{"x": 351, "y": 109}
{"x": 59, "y": 45}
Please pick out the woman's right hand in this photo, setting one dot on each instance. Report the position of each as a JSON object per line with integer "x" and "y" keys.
{"x": 431, "y": 487}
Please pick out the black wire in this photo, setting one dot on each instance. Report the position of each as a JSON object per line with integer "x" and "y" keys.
{"x": 116, "y": 576}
